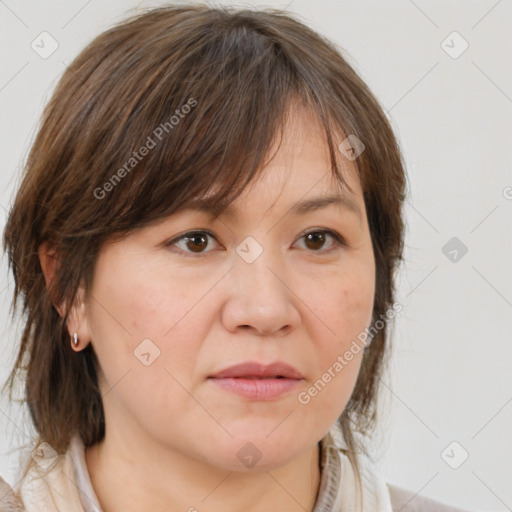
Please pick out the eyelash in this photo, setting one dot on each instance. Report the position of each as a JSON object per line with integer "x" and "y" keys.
{"x": 338, "y": 240}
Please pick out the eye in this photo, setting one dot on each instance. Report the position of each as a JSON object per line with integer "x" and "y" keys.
{"x": 315, "y": 239}
{"x": 195, "y": 242}
{"x": 192, "y": 242}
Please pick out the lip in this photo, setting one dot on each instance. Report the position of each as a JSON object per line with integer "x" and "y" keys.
{"x": 257, "y": 381}
{"x": 253, "y": 369}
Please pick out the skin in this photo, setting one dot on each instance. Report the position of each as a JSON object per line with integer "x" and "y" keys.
{"x": 170, "y": 432}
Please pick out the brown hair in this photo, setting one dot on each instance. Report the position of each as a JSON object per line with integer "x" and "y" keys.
{"x": 238, "y": 71}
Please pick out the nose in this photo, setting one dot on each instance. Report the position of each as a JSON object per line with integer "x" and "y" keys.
{"x": 259, "y": 298}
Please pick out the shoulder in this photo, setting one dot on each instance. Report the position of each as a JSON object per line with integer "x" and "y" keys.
{"x": 48, "y": 486}
{"x": 404, "y": 500}
{"x": 9, "y": 501}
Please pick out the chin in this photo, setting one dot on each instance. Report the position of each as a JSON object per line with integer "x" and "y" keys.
{"x": 256, "y": 453}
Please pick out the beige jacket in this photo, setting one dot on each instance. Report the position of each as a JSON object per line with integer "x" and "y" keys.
{"x": 65, "y": 486}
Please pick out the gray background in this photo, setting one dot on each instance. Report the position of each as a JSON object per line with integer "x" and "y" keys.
{"x": 451, "y": 377}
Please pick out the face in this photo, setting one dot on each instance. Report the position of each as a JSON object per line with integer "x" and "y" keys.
{"x": 265, "y": 284}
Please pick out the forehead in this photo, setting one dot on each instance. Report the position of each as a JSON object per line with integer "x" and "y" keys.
{"x": 298, "y": 189}
{"x": 342, "y": 201}
{"x": 296, "y": 177}
{"x": 298, "y": 173}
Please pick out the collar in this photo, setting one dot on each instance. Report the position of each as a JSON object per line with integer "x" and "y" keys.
{"x": 66, "y": 486}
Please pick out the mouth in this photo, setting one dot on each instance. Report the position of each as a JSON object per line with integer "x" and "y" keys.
{"x": 256, "y": 377}
{"x": 256, "y": 381}
{"x": 254, "y": 370}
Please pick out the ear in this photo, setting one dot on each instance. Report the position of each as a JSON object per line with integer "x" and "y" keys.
{"x": 49, "y": 263}
{"x": 49, "y": 260}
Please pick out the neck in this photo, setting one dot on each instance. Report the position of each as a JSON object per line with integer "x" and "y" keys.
{"x": 128, "y": 475}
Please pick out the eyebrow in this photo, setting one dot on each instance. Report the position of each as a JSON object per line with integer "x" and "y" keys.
{"x": 299, "y": 208}
{"x": 317, "y": 203}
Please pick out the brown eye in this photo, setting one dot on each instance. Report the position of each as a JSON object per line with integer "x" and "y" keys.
{"x": 315, "y": 240}
{"x": 193, "y": 242}
{"x": 196, "y": 243}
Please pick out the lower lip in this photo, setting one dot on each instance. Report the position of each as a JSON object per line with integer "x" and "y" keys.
{"x": 257, "y": 389}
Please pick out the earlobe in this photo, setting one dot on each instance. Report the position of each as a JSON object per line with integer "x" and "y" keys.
{"x": 77, "y": 324}
{"x": 49, "y": 261}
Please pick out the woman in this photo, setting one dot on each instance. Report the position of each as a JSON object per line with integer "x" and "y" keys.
{"x": 205, "y": 240}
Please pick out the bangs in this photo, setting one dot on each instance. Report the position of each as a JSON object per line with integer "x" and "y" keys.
{"x": 192, "y": 119}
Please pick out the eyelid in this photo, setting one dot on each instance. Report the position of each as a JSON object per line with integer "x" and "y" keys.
{"x": 339, "y": 240}
{"x": 189, "y": 234}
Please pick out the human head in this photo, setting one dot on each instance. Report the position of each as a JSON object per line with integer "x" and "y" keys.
{"x": 239, "y": 73}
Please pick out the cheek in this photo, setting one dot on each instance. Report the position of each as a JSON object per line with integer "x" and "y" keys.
{"x": 342, "y": 311}
{"x": 144, "y": 321}
{"x": 348, "y": 313}
{"x": 133, "y": 298}
{"x": 146, "y": 341}
{"x": 343, "y": 304}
